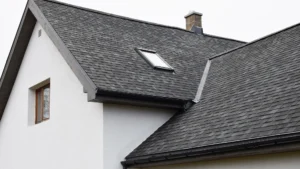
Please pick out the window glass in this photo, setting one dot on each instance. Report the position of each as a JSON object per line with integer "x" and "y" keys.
{"x": 46, "y": 103}
{"x": 155, "y": 60}
{"x": 43, "y": 103}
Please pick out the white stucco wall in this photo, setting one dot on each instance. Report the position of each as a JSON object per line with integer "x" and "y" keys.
{"x": 268, "y": 161}
{"x": 72, "y": 138}
{"x": 126, "y": 127}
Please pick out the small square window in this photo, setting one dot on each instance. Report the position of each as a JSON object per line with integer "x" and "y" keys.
{"x": 154, "y": 59}
{"x": 42, "y": 103}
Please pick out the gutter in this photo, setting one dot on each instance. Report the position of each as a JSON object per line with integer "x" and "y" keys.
{"x": 280, "y": 143}
{"x": 105, "y": 96}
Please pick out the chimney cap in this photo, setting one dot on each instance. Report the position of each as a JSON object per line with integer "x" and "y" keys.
{"x": 193, "y": 13}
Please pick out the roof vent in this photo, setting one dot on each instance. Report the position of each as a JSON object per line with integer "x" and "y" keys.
{"x": 194, "y": 22}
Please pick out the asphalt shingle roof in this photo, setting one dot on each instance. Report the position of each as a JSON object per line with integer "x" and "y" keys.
{"x": 104, "y": 44}
{"x": 251, "y": 92}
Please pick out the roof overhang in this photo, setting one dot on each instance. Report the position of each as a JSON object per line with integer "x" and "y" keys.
{"x": 15, "y": 56}
{"x": 135, "y": 99}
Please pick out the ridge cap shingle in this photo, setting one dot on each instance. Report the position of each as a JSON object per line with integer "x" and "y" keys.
{"x": 225, "y": 38}
{"x": 115, "y": 15}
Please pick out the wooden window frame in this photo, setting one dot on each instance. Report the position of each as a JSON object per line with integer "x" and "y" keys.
{"x": 37, "y": 91}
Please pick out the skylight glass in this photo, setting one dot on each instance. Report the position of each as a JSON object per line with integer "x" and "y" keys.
{"x": 155, "y": 60}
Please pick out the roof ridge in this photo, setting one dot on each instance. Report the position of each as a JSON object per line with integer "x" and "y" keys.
{"x": 137, "y": 20}
{"x": 220, "y": 37}
{"x": 117, "y": 16}
{"x": 254, "y": 41}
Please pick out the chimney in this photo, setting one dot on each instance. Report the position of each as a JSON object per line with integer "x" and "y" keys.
{"x": 194, "y": 22}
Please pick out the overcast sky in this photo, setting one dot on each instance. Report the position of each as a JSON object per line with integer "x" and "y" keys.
{"x": 244, "y": 20}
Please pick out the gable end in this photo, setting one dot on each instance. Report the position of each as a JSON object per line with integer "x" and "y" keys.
{"x": 31, "y": 15}
{"x": 15, "y": 57}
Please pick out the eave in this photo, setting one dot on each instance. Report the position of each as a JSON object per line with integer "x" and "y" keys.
{"x": 135, "y": 99}
{"x": 275, "y": 144}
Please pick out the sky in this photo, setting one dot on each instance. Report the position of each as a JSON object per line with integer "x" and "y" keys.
{"x": 244, "y": 20}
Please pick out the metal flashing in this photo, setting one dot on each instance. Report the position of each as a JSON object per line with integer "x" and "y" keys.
{"x": 202, "y": 82}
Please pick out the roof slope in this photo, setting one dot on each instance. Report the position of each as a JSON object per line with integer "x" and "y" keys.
{"x": 104, "y": 44}
{"x": 250, "y": 93}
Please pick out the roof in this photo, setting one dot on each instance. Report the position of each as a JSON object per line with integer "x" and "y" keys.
{"x": 104, "y": 44}
{"x": 251, "y": 93}
{"x": 100, "y": 49}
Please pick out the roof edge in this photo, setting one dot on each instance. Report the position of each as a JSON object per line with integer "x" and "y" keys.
{"x": 106, "y": 96}
{"x": 85, "y": 80}
{"x": 214, "y": 150}
{"x": 15, "y": 56}
{"x": 138, "y": 20}
{"x": 30, "y": 16}
{"x": 225, "y": 38}
{"x": 117, "y": 16}
{"x": 254, "y": 41}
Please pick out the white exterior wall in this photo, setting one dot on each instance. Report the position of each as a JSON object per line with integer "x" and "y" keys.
{"x": 289, "y": 160}
{"x": 126, "y": 127}
{"x": 72, "y": 138}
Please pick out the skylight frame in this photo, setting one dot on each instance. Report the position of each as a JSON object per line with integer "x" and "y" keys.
{"x": 140, "y": 52}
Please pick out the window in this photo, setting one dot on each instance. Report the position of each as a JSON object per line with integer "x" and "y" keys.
{"x": 42, "y": 104}
{"x": 154, "y": 59}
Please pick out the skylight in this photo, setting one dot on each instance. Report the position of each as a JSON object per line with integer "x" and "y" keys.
{"x": 154, "y": 59}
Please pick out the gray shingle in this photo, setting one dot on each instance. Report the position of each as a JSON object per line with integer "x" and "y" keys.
{"x": 252, "y": 92}
{"x": 103, "y": 44}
